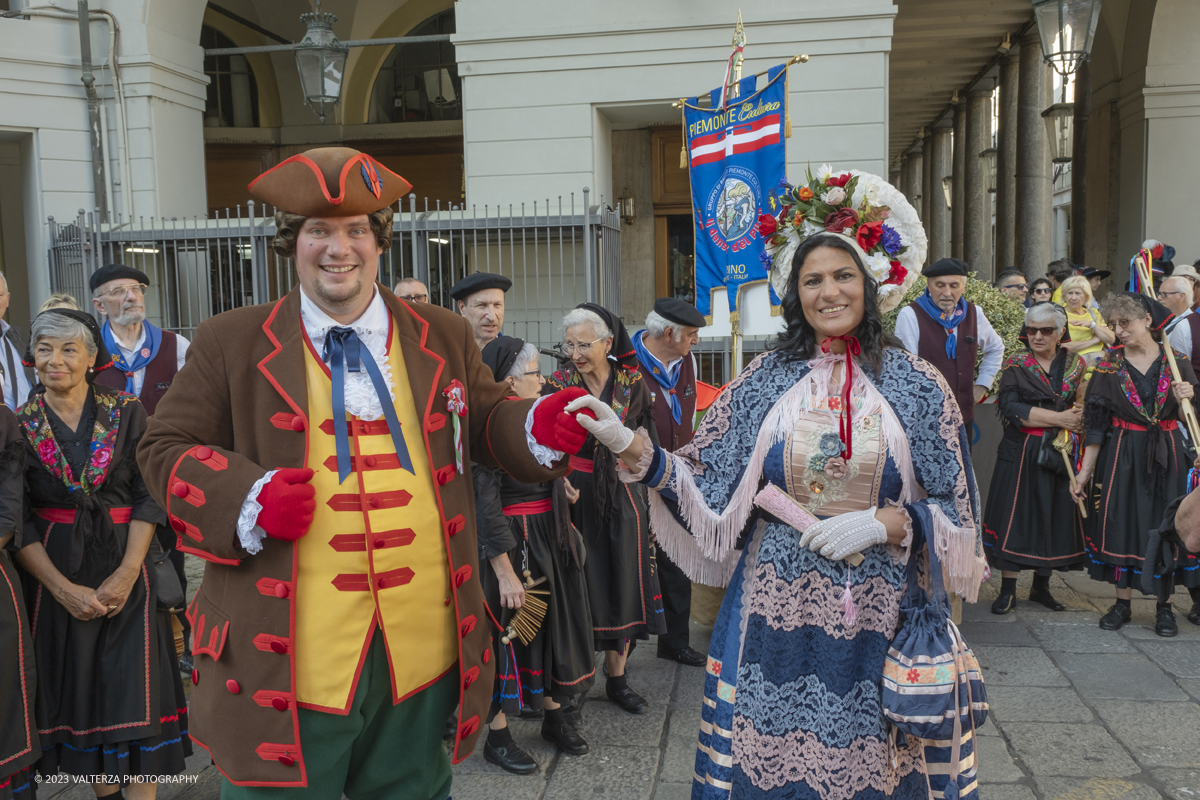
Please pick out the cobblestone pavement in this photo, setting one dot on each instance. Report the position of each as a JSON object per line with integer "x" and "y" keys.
{"x": 1077, "y": 713}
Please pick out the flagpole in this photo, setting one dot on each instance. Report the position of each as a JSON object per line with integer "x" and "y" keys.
{"x": 731, "y": 92}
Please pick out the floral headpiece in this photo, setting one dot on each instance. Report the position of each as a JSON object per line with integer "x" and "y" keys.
{"x": 863, "y": 207}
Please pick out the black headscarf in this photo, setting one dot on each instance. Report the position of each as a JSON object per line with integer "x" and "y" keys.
{"x": 103, "y": 358}
{"x": 623, "y": 351}
{"x": 500, "y": 354}
{"x": 1160, "y": 315}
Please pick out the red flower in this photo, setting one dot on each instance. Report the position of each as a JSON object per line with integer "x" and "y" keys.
{"x": 805, "y": 194}
{"x": 913, "y": 676}
{"x": 46, "y": 450}
{"x": 897, "y": 275}
{"x": 767, "y": 225}
{"x": 101, "y": 457}
{"x": 839, "y": 180}
{"x": 840, "y": 220}
{"x": 868, "y": 235}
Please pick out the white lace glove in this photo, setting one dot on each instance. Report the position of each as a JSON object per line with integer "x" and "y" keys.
{"x": 606, "y": 427}
{"x": 837, "y": 537}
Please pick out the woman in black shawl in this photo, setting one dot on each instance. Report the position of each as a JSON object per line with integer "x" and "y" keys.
{"x": 538, "y": 543}
{"x": 1137, "y": 450}
{"x": 612, "y": 516}
{"x": 19, "y": 745}
{"x": 1031, "y": 521}
{"x": 110, "y": 700}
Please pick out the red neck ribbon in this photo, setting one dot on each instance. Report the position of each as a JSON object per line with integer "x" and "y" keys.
{"x": 853, "y": 348}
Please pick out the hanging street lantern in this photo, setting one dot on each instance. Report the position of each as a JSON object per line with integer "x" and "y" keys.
{"x": 1067, "y": 29}
{"x": 1060, "y": 120}
{"x": 989, "y": 168}
{"x": 321, "y": 60}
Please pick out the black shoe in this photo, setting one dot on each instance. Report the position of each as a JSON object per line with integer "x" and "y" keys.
{"x": 1164, "y": 623}
{"x": 186, "y": 665}
{"x": 1193, "y": 616}
{"x": 627, "y": 699}
{"x": 1117, "y": 616}
{"x": 511, "y": 758}
{"x": 1004, "y": 604}
{"x": 1044, "y": 597}
{"x": 564, "y": 736}
{"x": 684, "y": 655}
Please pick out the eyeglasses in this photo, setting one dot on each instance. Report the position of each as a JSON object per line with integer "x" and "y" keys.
{"x": 120, "y": 291}
{"x": 415, "y": 298}
{"x": 537, "y": 372}
{"x": 583, "y": 349}
{"x": 1169, "y": 294}
{"x": 1022, "y": 287}
{"x": 1041, "y": 331}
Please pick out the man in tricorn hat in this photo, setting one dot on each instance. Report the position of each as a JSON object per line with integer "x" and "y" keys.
{"x": 480, "y": 299}
{"x": 941, "y": 327}
{"x": 664, "y": 351}
{"x": 316, "y": 452}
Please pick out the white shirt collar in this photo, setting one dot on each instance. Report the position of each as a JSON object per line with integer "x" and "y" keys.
{"x": 372, "y": 324}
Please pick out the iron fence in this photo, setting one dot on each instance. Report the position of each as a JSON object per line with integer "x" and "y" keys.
{"x": 557, "y": 255}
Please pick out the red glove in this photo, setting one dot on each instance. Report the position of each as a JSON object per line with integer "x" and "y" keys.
{"x": 288, "y": 503}
{"x": 556, "y": 429}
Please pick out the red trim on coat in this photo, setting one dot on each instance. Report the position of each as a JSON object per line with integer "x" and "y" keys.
{"x": 179, "y": 545}
{"x": 279, "y": 784}
{"x": 12, "y": 592}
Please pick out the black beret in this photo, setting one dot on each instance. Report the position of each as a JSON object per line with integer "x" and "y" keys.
{"x": 946, "y": 266}
{"x": 1092, "y": 272}
{"x": 500, "y": 354}
{"x": 111, "y": 272}
{"x": 680, "y": 312}
{"x": 477, "y": 283}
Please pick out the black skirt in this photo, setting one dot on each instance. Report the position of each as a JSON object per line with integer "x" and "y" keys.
{"x": 110, "y": 699}
{"x": 1126, "y": 502}
{"x": 19, "y": 745}
{"x": 559, "y": 662}
{"x": 1030, "y": 521}
{"x": 622, "y": 577}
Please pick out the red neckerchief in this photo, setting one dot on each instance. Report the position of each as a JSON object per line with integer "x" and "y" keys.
{"x": 853, "y": 348}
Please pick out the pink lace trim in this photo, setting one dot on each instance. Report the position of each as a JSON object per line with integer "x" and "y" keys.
{"x": 832, "y": 773}
{"x": 643, "y": 465}
{"x": 813, "y": 600}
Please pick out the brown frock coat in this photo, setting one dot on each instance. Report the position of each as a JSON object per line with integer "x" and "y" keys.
{"x": 239, "y": 408}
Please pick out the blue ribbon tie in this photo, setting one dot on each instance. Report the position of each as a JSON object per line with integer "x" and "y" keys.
{"x": 343, "y": 351}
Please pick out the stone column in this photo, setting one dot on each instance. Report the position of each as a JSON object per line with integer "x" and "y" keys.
{"x": 1083, "y": 110}
{"x": 977, "y": 251}
{"x": 894, "y": 176}
{"x": 1034, "y": 176}
{"x": 959, "y": 180}
{"x": 916, "y": 168}
{"x": 939, "y": 214}
{"x": 905, "y": 184}
{"x": 1006, "y": 161}
{"x": 931, "y": 187}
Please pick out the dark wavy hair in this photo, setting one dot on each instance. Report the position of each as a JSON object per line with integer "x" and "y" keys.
{"x": 287, "y": 228}
{"x": 799, "y": 340}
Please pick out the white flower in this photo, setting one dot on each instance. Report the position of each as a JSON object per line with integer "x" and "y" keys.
{"x": 834, "y": 196}
{"x": 879, "y": 267}
{"x": 781, "y": 267}
{"x": 808, "y": 227}
{"x": 824, "y": 173}
{"x": 865, "y": 191}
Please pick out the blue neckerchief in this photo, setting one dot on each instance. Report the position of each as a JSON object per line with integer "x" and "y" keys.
{"x": 948, "y": 321}
{"x": 140, "y": 359}
{"x": 667, "y": 378}
{"x": 343, "y": 351}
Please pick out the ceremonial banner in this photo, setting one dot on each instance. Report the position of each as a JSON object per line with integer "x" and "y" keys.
{"x": 736, "y": 159}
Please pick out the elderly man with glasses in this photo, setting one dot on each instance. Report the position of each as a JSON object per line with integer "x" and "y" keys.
{"x": 412, "y": 290}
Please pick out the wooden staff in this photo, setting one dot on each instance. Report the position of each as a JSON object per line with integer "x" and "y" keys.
{"x": 1062, "y": 443}
{"x": 1189, "y": 413}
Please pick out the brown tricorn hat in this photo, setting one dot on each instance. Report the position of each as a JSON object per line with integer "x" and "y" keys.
{"x": 330, "y": 182}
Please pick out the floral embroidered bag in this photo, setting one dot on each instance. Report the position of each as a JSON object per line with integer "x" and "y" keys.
{"x": 932, "y": 688}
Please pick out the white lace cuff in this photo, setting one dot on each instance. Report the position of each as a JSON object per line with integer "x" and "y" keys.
{"x": 643, "y": 466}
{"x": 546, "y": 456}
{"x": 249, "y": 534}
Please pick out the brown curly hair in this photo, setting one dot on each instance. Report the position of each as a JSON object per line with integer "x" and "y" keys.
{"x": 1127, "y": 306}
{"x": 287, "y": 228}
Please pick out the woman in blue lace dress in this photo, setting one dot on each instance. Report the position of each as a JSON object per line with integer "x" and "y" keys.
{"x": 873, "y": 445}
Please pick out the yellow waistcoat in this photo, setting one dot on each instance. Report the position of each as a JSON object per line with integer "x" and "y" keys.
{"x": 374, "y": 555}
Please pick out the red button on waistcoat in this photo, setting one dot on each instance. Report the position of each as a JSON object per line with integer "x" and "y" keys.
{"x": 232, "y": 686}
{"x": 374, "y": 502}
{"x": 279, "y": 704}
{"x": 279, "y": 647}
{"x": 297, "y": 426}
{"x": 447, "y": 601}
{"x": 286, "y": 761}
{"x": 380, "y": 543}
{"x": 281, "y": 590}
{"x": 202, "y": 453}
{"x": 180, "y": 489}
{"x": 369, "y": 461}
{"x": 177, "y": 525}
